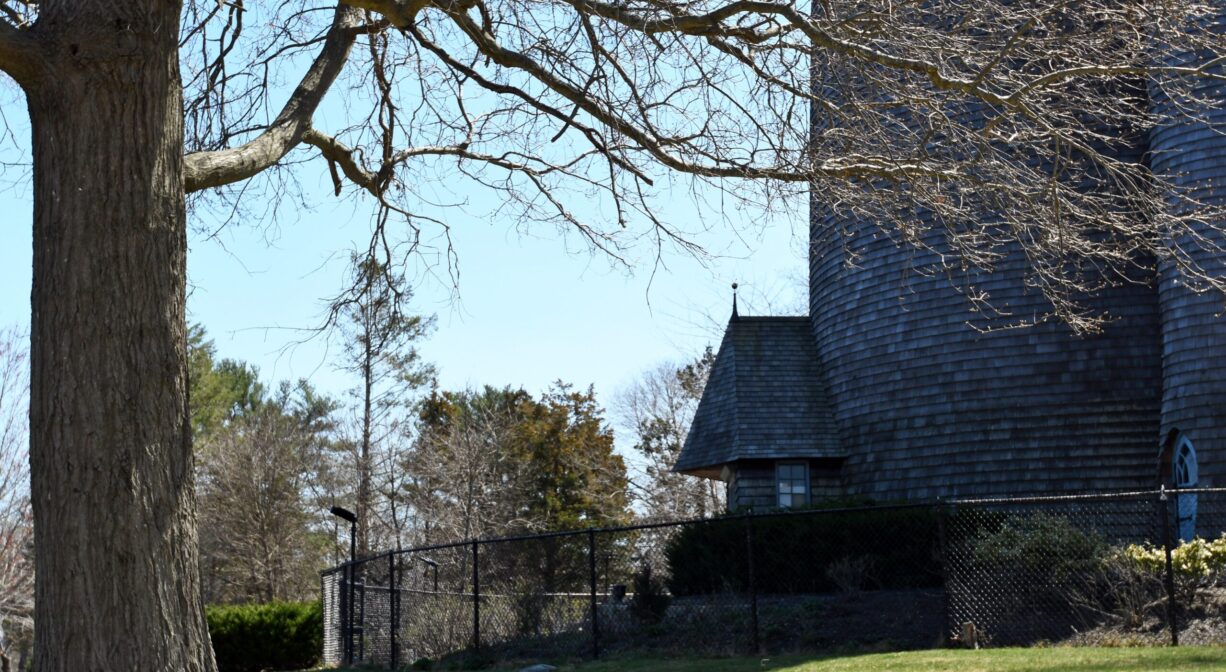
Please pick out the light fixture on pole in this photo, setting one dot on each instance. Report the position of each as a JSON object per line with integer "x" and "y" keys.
{"x": 346, "y": 514}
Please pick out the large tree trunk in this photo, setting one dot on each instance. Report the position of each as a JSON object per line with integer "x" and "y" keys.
{"x": 118, "y": 584}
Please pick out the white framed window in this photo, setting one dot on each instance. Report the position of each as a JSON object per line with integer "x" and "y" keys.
{"x": 1185, "y": 474}
{"x": 791, "y": 484}
{"x": 1185, "y": 468}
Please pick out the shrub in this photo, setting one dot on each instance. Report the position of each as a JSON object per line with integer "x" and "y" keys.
{"x": 1196, "y": 559}
{"x": 274, "y": 636}
{"x": 1046, "y": 549}
{"x": 529, "y": 609}
{"x": 1195, "y": 564}
{"x": 850, "y": 574}
{"x": 1033, "y": 573}
{"x": 650, "y": 603}
{"x": 897, "y": 548}
{"x": 1129, "y": 587}
{"x": 1025, "y": 577}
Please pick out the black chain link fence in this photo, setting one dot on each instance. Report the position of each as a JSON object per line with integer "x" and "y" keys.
{"x": 1122, "y": 568}
{"x": 1117, "y": 569}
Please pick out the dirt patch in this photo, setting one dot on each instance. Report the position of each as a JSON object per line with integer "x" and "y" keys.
{"x": 1203, "y": 622}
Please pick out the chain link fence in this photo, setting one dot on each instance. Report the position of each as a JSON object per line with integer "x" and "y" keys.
{"x": 1120, "y": 568}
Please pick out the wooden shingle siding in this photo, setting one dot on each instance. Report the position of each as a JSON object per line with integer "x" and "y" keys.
{"x": 752, "y": 483}
{"x": 825, "y": 479}
{"x": 753, "y": 486}
{"x": 1192, "y": 154}
{"x": 713, "y": 430}
{"x": 927, "y": 406}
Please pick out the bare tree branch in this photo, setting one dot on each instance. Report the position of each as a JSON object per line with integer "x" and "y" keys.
{"x": 856, "y": 167}
{"x": 203, "y": 170}
{"x": 19, "y": 50}
{"x": 968, "y": 131}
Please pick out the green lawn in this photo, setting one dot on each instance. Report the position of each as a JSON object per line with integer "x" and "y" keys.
{"x": 1075, "y": 659}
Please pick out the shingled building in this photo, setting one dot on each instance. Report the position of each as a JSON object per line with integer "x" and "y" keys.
{"x": 765, "y": 425}
{"x": 884, "y": 391}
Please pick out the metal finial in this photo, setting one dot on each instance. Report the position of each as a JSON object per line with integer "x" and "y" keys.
{"x": 734, "y": 313}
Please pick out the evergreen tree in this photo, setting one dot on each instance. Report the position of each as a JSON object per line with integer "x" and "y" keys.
{"x": 263, "y": 462}
{"x": 218, "y": 391}
{"x": 379, "y": 338}
{"x": 500, "y": 462}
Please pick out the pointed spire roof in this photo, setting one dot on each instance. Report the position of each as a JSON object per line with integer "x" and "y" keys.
{"x": 765, "y": 399}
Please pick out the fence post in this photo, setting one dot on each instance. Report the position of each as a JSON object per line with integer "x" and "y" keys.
{"x": 354, "y": 655}
{"x": 1164, "y": 502}
{"x": 476, "y": 601}
{"x": 943, "y": 542}
{"x": 753, "y": 584}
{"x": 393, "y": 599}
{"x": 345, "y": 597}
{"x": 591, "y": 566}
{"x": 361, "y": 629}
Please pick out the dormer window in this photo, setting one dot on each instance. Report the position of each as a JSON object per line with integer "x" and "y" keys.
{"x": 791, "y": 484}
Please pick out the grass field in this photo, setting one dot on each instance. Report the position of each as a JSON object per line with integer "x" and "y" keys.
{"x": 1058, "y": 659}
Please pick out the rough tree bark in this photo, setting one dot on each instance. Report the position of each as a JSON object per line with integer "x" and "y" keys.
{"x": 111, "y": 455}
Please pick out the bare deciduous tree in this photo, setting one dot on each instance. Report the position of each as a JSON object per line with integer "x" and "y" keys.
{"x": 16, "y": 524}
{"x": 990, "y": 116}
{"x": 254, "y": 483}
{"x": 462, "y": 485}
{"x": 657, "y": 409}
{"x": 379, "y": 338}
{"x": 499, "y": 462}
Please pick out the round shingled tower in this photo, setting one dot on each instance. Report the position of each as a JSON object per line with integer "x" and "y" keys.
{"x": 1189, "y": 151}
{"x": 926, "y": 405}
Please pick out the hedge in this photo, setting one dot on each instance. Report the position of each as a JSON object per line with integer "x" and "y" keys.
{"x": 808, "y": 553}
{"x": 273, "y": 636}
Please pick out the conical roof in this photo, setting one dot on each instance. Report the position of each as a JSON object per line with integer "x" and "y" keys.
{"x": 765, "y": 399}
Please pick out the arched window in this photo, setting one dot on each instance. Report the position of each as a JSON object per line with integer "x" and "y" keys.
{"x": 1183, "y": 468}
{"x": 1184, "y": 474}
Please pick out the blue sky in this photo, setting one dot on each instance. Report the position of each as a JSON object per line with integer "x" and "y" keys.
{"x": 529, "y": 309}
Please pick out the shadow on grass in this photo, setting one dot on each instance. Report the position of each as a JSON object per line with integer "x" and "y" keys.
{"x": 1059, "y": 659}
{"x": 1055, "y": 659}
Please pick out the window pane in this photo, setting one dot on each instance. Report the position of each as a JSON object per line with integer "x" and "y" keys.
{"x": 791, "y": 480}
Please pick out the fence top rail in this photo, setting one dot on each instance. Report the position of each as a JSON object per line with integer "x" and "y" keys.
{"x": 1082, "y": 497}
{"x": 1195, "y": 491}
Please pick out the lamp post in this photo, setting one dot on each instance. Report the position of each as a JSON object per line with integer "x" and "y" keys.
{"x": 346, "y": 514}
{"x": 434, "y": 566}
